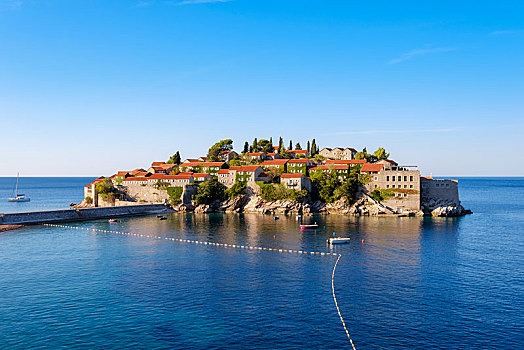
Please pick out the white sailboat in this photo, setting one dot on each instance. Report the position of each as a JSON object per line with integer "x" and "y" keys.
{"x": 19, "y": 197}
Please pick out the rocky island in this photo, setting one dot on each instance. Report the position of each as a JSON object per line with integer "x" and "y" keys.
{"x": 281, "y": 180}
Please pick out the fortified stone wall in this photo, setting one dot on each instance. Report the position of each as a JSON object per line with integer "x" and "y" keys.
{"x": 439, "y": 190}
{"x": 50, "y": 216}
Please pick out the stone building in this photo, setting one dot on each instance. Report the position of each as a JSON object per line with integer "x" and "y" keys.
{"x": 298, "y": 166}
{"x": 439, "y": 192}
{"x": 338, "y": 153}
{"x": 399, "y": 185}
{"x": 297, "y": 181}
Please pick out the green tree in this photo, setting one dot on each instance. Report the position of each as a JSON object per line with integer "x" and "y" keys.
{"x": 325, "y": 185}
{"x": 174, "y": 194}
{"x": 380, "y": 153}
{"x": 210, "y": 191}
{"x": 174, "y": 159}
{"x": 106, "y": 190}
{"x": 290, "y": 145}
{"x": 313, "y": 148}
{"x": 254, "y": 147}
{"x": 246, "y": 147}
{"x": 349, "y": 188}
{"x": 308, "y": 148}
{"x": 265, "y": 146}
{"x": 298, "y": 147}
{"x": 280, "y": 143}
{"x": 218, "y": 148}
{"x": 237, "y": 189}
{"x": 363, "y": 154}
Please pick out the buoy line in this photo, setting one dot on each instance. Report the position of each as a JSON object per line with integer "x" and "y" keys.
{"x": 180, "y": 240}
{"x": 226, "y": 245}
{"x": 336, "y": 303}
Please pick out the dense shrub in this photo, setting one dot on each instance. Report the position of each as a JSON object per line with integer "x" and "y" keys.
{"x": 237, "y": 189}
{"x": 274, "y": 192}
{"x": 89, "y": 200}
{"x": 174, "y": 194}
{"x": 210, "y": 191}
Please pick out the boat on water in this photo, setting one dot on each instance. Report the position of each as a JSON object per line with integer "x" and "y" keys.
{"x": 308, "y": 227}
{"x": 338, "y": 240}
{"x": 112, "y": 220}
{"x": 19, "y": 197}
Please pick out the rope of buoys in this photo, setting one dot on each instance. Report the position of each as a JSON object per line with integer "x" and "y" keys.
{"x": 336, "y": 303}
{"x": 181, "y": 240}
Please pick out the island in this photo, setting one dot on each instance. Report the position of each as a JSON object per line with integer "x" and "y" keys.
{"x": 275, "y": 179}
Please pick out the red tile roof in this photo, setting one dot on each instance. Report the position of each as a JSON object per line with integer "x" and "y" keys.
{"x": 157, "y": 163}
{"x": 141, "y": 174}
{"x": 371, "y": 167}
{"x": 95, "y": 182}
{"x": 122, "y": 173}
{"x": 141, "y": 179}
{"x": 202, "y": 164}
{"x": 344, "y": 161}
{"x": 256, "y": 154}
{"x": 167, "y": 177}
{"x": 191, "y": 161}
{"x": 331, "y": 166}
{"x": 223, "y": 171}
{"x": 285, "y": 176}
{"x": 272, "y": 154}
{"x": 275, "y": 162}
{"x": 245, "y": 168}
{"x": 275, "y": 147}
{"x": 199, "y": 174}
{"x": 299, "y": 151}
{"x": 298, "y": 160}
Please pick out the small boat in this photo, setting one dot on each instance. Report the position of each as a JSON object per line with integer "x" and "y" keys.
{"x": 338, "y": 240}
{"x": 19, "y": 197}
{"x": 112, "y": 220}
{"x": 309, "y": 227}
{"x": 163, "y": 218}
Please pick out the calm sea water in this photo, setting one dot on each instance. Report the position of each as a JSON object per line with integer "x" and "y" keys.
{"x": 414, "y": 283}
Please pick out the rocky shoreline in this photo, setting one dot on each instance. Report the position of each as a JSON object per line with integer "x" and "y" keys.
{"x": 365, "y": 206}
{"x": 5, "y": 228}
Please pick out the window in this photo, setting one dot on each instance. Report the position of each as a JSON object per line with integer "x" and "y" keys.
{"x": 405, "y": 194}
{"x": 437, "y": 185}
{"x": 405, "y": 178}
{"x": 376, "y": 178}
{"x": 387, "y": 186}
{"x": 393, "y": 178}
{"x": 393, "y": 186}
{"x": 405, "y": 186}
{"x": 387, "y": 178}
{"x": 410, "y": 186}
{"x": 376, "y": 186}
{"x": 411, "y": 178}
{"x": 447, "y": 185}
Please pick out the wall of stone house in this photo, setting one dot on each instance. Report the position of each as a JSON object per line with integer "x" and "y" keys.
{"x": 411, "y": 202}
{"x": 446, "y": 192}
{"x": 144, "y": 194}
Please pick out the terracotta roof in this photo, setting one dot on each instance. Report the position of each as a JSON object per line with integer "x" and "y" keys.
{"x": 158, "y": 168}
{"x": 256, "y": 154}
{"x": 136, "y": 171}
{"x": 227, "y": 152}
{"x": 199, "y": 174}
{"x": 275, "y": 162}
{"x": 191, "y": 161}
{"x": 122, "y": 173}
{"x": 141, "y": 173}
{"x": 202, "y": 164}
{"x": 167, "y": 166}
{"x": 275, "y": 147}
{"x": 95, "y": 182}
{"x": 272, "y": 154}
{"x": 285, "y": 176}
{"x": 344, "y": 161}
{"x": 157, "y": 163}
{"x": 167, "y": 177}
{"x": 331, "y": 166}
{"x": 298, "y": 160}
{"x": 223, "y": 171}
{"x": 371, "y": 167}
{"x": 142, "y": 179}
{"x": 245, "y": 168}
{"x": 297, "y": 151}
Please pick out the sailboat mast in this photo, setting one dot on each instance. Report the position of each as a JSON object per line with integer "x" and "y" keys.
{"x": 16, "y": 188}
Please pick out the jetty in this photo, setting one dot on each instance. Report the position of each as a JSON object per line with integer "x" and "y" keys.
{"x": 69, "y": 215}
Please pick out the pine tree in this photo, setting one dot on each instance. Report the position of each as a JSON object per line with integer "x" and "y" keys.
{"x": 298, "y": 147}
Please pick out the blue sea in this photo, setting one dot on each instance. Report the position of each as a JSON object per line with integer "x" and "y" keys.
{"x": 402, "y": 283}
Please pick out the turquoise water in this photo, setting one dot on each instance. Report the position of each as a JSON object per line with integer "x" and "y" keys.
{"x": 411, "y": 284}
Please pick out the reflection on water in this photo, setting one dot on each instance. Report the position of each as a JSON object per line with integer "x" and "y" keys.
{"x": 402, "y": 283}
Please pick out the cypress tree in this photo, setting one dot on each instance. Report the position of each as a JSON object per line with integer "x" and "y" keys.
{"x": 308, "y": 148}
{"x": 290, "y": 145}
{"x": 246, "y": 147}
{"x": 255, "y": 145}
{"x": 313, "y": 148}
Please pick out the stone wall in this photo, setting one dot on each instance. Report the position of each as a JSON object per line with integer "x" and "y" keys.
{"x": 440, "y": 190}
{"x": 50, "y": 216}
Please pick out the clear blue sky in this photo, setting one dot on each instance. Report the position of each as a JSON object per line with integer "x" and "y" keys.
{"x": 91, "y": 87}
